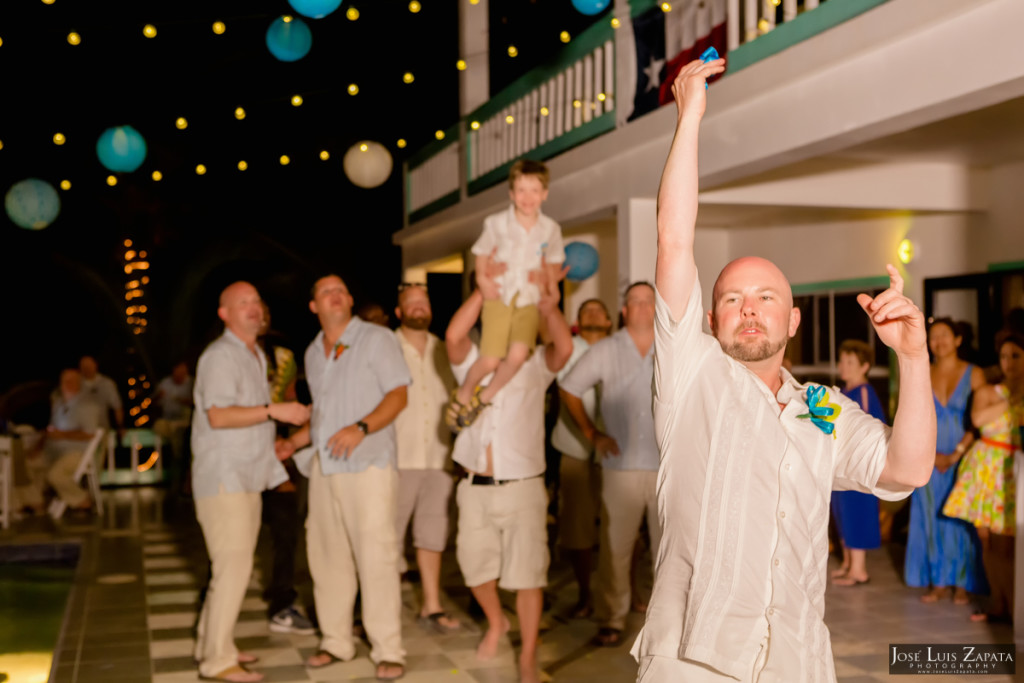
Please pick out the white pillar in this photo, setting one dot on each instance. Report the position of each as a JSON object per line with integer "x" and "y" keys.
{"x": 474, "y": 41}
{"x": 637, "y": 242}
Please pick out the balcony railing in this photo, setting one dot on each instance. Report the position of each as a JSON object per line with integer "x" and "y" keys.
{"x": 558, "y": 106}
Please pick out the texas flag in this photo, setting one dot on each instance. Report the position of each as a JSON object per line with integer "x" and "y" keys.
{"x": 689, "y": 30}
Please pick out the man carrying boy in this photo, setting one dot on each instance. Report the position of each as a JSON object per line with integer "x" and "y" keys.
{"x": 525, "y": 240}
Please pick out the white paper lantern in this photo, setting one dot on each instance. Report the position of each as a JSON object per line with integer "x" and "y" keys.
{"x": 368, "y": 164}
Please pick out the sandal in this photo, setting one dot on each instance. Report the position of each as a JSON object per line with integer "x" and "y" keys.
{"x": 432, "y": 622}
{"x": 935, "y": 594}
{"x": 471, "y": 412}
{"x": 234, "y": 674}
{"x": 332, "y": 659}
{"x": 607, "y": 637}
{"x": 390, "y": 665}
{"x": 453, "y": 412}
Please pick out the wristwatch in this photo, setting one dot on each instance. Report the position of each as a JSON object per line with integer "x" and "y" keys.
{"x": 363, "y": 427}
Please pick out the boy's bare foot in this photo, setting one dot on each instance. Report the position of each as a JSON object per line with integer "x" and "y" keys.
{"x": 936, "y": 594}
{"x": 960, "y": 596}
{"x": 841, "y": 572}
{"x": 488, "y": 647}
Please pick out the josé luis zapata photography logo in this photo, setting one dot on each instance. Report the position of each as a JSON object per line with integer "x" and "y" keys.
{"x": 959, "y": 659}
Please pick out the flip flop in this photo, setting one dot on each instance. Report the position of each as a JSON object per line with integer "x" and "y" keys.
{"x": 453, "y": 413}
{"x": 334, "y": 659}
{"x": 433, "y": 623}
{"x": 234, "y": 674}
{"x": 471, "y": 412}
{"x": 850, "y": 581}
{"x": 607, "y": 637}
{"x": 389, "y": 665}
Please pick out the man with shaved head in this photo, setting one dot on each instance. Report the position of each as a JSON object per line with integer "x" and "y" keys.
{"x": 749, "y": 456}
{"x": 233, "y": 462}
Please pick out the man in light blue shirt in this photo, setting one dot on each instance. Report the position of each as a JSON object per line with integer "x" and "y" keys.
{"x": 358, "y": 377}
{"x": 623, "y": 365}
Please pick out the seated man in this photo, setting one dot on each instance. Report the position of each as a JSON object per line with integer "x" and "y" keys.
{"x": 74, "y": 419}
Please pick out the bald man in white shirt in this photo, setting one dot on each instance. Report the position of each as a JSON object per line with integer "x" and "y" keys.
{"x": 749, "y": 457}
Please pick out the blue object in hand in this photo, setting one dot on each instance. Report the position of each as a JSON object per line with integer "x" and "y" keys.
{"x": 709, "y": 55}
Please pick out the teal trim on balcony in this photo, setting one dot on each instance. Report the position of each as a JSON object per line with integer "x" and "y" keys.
{"x": 597, "y": 126}
{"x": 451, "y": 136}
{"x": 827, "y": 15}
{"x": 1005, "y": 266}
{"x": 863, "y": 283}
{"x": 433, "y": 207}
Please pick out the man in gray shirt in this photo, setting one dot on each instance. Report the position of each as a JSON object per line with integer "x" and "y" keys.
{"x": 103, "y": 391}
{"x": 358, "y": 377}
{"x": 74, "y": 419}
{"x": 233, "y": 462}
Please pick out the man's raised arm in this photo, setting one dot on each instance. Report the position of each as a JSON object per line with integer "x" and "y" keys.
{"x": 456, "y": 337}
{"x": 677, "y": 195}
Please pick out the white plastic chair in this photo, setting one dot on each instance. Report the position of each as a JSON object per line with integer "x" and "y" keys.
{"x": 6, "y": 479}
{"x": 86, "y": 468}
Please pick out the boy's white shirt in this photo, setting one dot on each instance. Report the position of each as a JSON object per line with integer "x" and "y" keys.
{"x": 521, "y": 250}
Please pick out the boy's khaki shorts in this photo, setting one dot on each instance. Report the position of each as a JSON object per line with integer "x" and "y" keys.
{"x": 505, "y": 324}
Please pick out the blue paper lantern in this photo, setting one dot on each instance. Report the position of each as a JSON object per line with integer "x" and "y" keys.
{"x": 314, "y": 9}
{"x": 289, "y": 40}
{"x": 121, "y": 149}
{"x": 32, "y": 204}
{"x": 591, "y": 7}
{"x": 582, "y": 261}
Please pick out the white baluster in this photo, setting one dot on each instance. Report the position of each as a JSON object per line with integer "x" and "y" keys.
{"x": 542, "y": 121}
{"x": 732, "y": 25}
{"x": 577, "y": 94}
{"x": 788, "y": 10}
{"x": 599, "y": 106}
{"x": 810, "y": 4}
{"x": 589, "y": 96}
{"x": 768, "y": 12}
{"x": 609, "y": 75}
{"x": 750, "y": 17}
{"x": 558, "y": 111}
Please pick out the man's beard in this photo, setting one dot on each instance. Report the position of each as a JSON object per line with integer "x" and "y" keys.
{"x": 594, "y": 328}
{"x": 418, "y": 322}
{"x": 746, "y": 352}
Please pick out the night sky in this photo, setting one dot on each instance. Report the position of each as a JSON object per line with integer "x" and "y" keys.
{"x": 276, "y": 226}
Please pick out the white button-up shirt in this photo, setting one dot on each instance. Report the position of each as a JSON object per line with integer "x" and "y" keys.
{"x": 241, "y": 459}
{"x": 743, "y": 497}
{"x": 521, "y": 250}
{"x": 424, "y": 441}
{"x": 347, "y": 387}
{"x": 625, "y": 378}
{"x": 513, "y": 425}
{"x": 566, "y": 436}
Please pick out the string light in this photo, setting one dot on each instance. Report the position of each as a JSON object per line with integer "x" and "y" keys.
{"x": 296, "y": 100}
{"x": 1, "y": 41}
{"x": 407, "y": 77}
{"x": 415, "y": 6}
{"x": 59, "y": 139}
{"x": 363, "y": 147}
{"x": 461, "y": 65}
{"x": 576, "y": 104}
{"x": 1, "y": 144}
{"x": 401, "y": 143}
{"x": 324, "y": 155}
{"x": 544, "y": 111}
{"x": 763, "y": 26}
{"x": 65, "y": 184}
{"x": 127, "y": 243}
{"x": 48, "y": 2}
{"x": 285, "y": 160}
{"x": 287, "y": 18}
{"x": 200, "y": 169}
{"x": 181, "y": 123}
{"x": 111, "y": 180}
{"x": 242, "y": 165}
{"x": 352, "y": 14}
{"x": 666, "y": 7}
{"x": 615, "y": 22}
{"x": 74, "y": 38}
{"x": 512, "y": 51}
{"x": 157, "y": 176}
{"x": 353, "y": 89}
{"x": 149, "y": 31}
{"x": 564, "y": 36}
{"x": 219, "y": 27}
{"x": 239, "y": 113}
{"x": 439, "y": 134}
{"x": 510, "y": 119}
{"x": 475, "y": 125}
{"x": 601, "y": 97}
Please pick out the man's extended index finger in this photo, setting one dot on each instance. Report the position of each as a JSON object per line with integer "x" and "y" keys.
{"x": 895, "y": 279}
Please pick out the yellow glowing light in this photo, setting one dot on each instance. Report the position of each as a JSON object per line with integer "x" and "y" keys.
{"x": 296, "y": 100}
{"x": 59, "y": 139}
{"x": 127, "y": 243}
{"x": 1, "y": 144}
{"x": 616, "y": 23}
{"x": 74, "y": 38}
{"x": 200, "y": 169}
{"x": 149, "y": 31}
{"x": 129, "y": 255}
{"x": 352, "y": 14}
{"x": 415, "y": 6}
{"x": 239, "y": 113}
{"x": 461, "y": 65}
{"x": 439, "y": 134}
{"x": 181, "y": 123}
{"x": 353, "y": 89}
{"x": 474, "y": 2}
{"x": 544, "y": 111}
{"x": 145, "y": 281}
{"x": 142, "y": 254}
{"x": 48, "y": 2}
{"x": 512, "y": 51}
{"x": 65, "y": 184}
{"x": 776, "y": 2}
{"x": 219, "y": 27}
{"x": 510, "y": 119}
{"x": 401, "y": 143}
{"x": 407, "y": 77}
{"x": 363, "y": 147}
{"x": 576, "y": 104}
{"x": 666, "y": 7}
{"x": 111, "y": 180}
{"x": 763, "y": 26}
{"x": 905, "y": 251}
{"x": 287, "y": 19}
{"x": 601, "y": 97}
{"x": 131, "y": 381}
{"x": 564, "y": 36}
{"x": 242, "y": 165}
{"x": 157, "y": 176}
{"x": 285, "y": 160}
{"x": 1, "y": 41}
{"x": 324, "y": 155}
{"x": 475, "y": 125}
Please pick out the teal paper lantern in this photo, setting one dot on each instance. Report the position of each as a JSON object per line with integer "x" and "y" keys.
{"x": 290, "y": 40}
{"x": 121, "y": 149}
{"x": 591, "y": 7}
{"x": 314, "y": 9}
{"x": 582, "y": 261}
{"x": 32, "y": 204}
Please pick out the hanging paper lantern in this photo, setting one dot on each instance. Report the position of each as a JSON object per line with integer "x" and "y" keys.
{"x": 314, "y": 9}
{"x": 32, "y": 204}
{"x": 367, "y": 164}
{"x": 582, "y": 261}
{"x": 121, "y": 149}
{"x": 591, "y": 7}
{"x": 289, "y": 39}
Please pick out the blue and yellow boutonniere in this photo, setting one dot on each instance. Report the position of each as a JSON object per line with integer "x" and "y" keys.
{"x": 822, "y": 413}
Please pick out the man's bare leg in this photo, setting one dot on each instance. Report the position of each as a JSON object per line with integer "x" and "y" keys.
{"x": 430, "y": 577}
{"x": 497, "y": 625}
{"x": 529, "y": 605}
{"x": 507, "y": 369}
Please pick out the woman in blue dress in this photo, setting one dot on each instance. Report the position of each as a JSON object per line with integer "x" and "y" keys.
{"x": 943, "y": 553}
{"x": 856, "y": 513}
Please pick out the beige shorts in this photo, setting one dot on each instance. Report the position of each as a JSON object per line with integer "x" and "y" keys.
{"x": 503, "y": 534}
{"x": 423, "y": 497}
{"x": 579, "y": 503}
{"x": 505, "y": 324}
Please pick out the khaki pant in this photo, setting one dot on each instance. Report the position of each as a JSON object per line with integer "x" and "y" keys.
{"x": 350, "y": 532}
{"x": 579, "y": 491}
{"x": 61, "y": 477}
{"x": 626, "y": 496}
{"x": 231, "y": 525}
